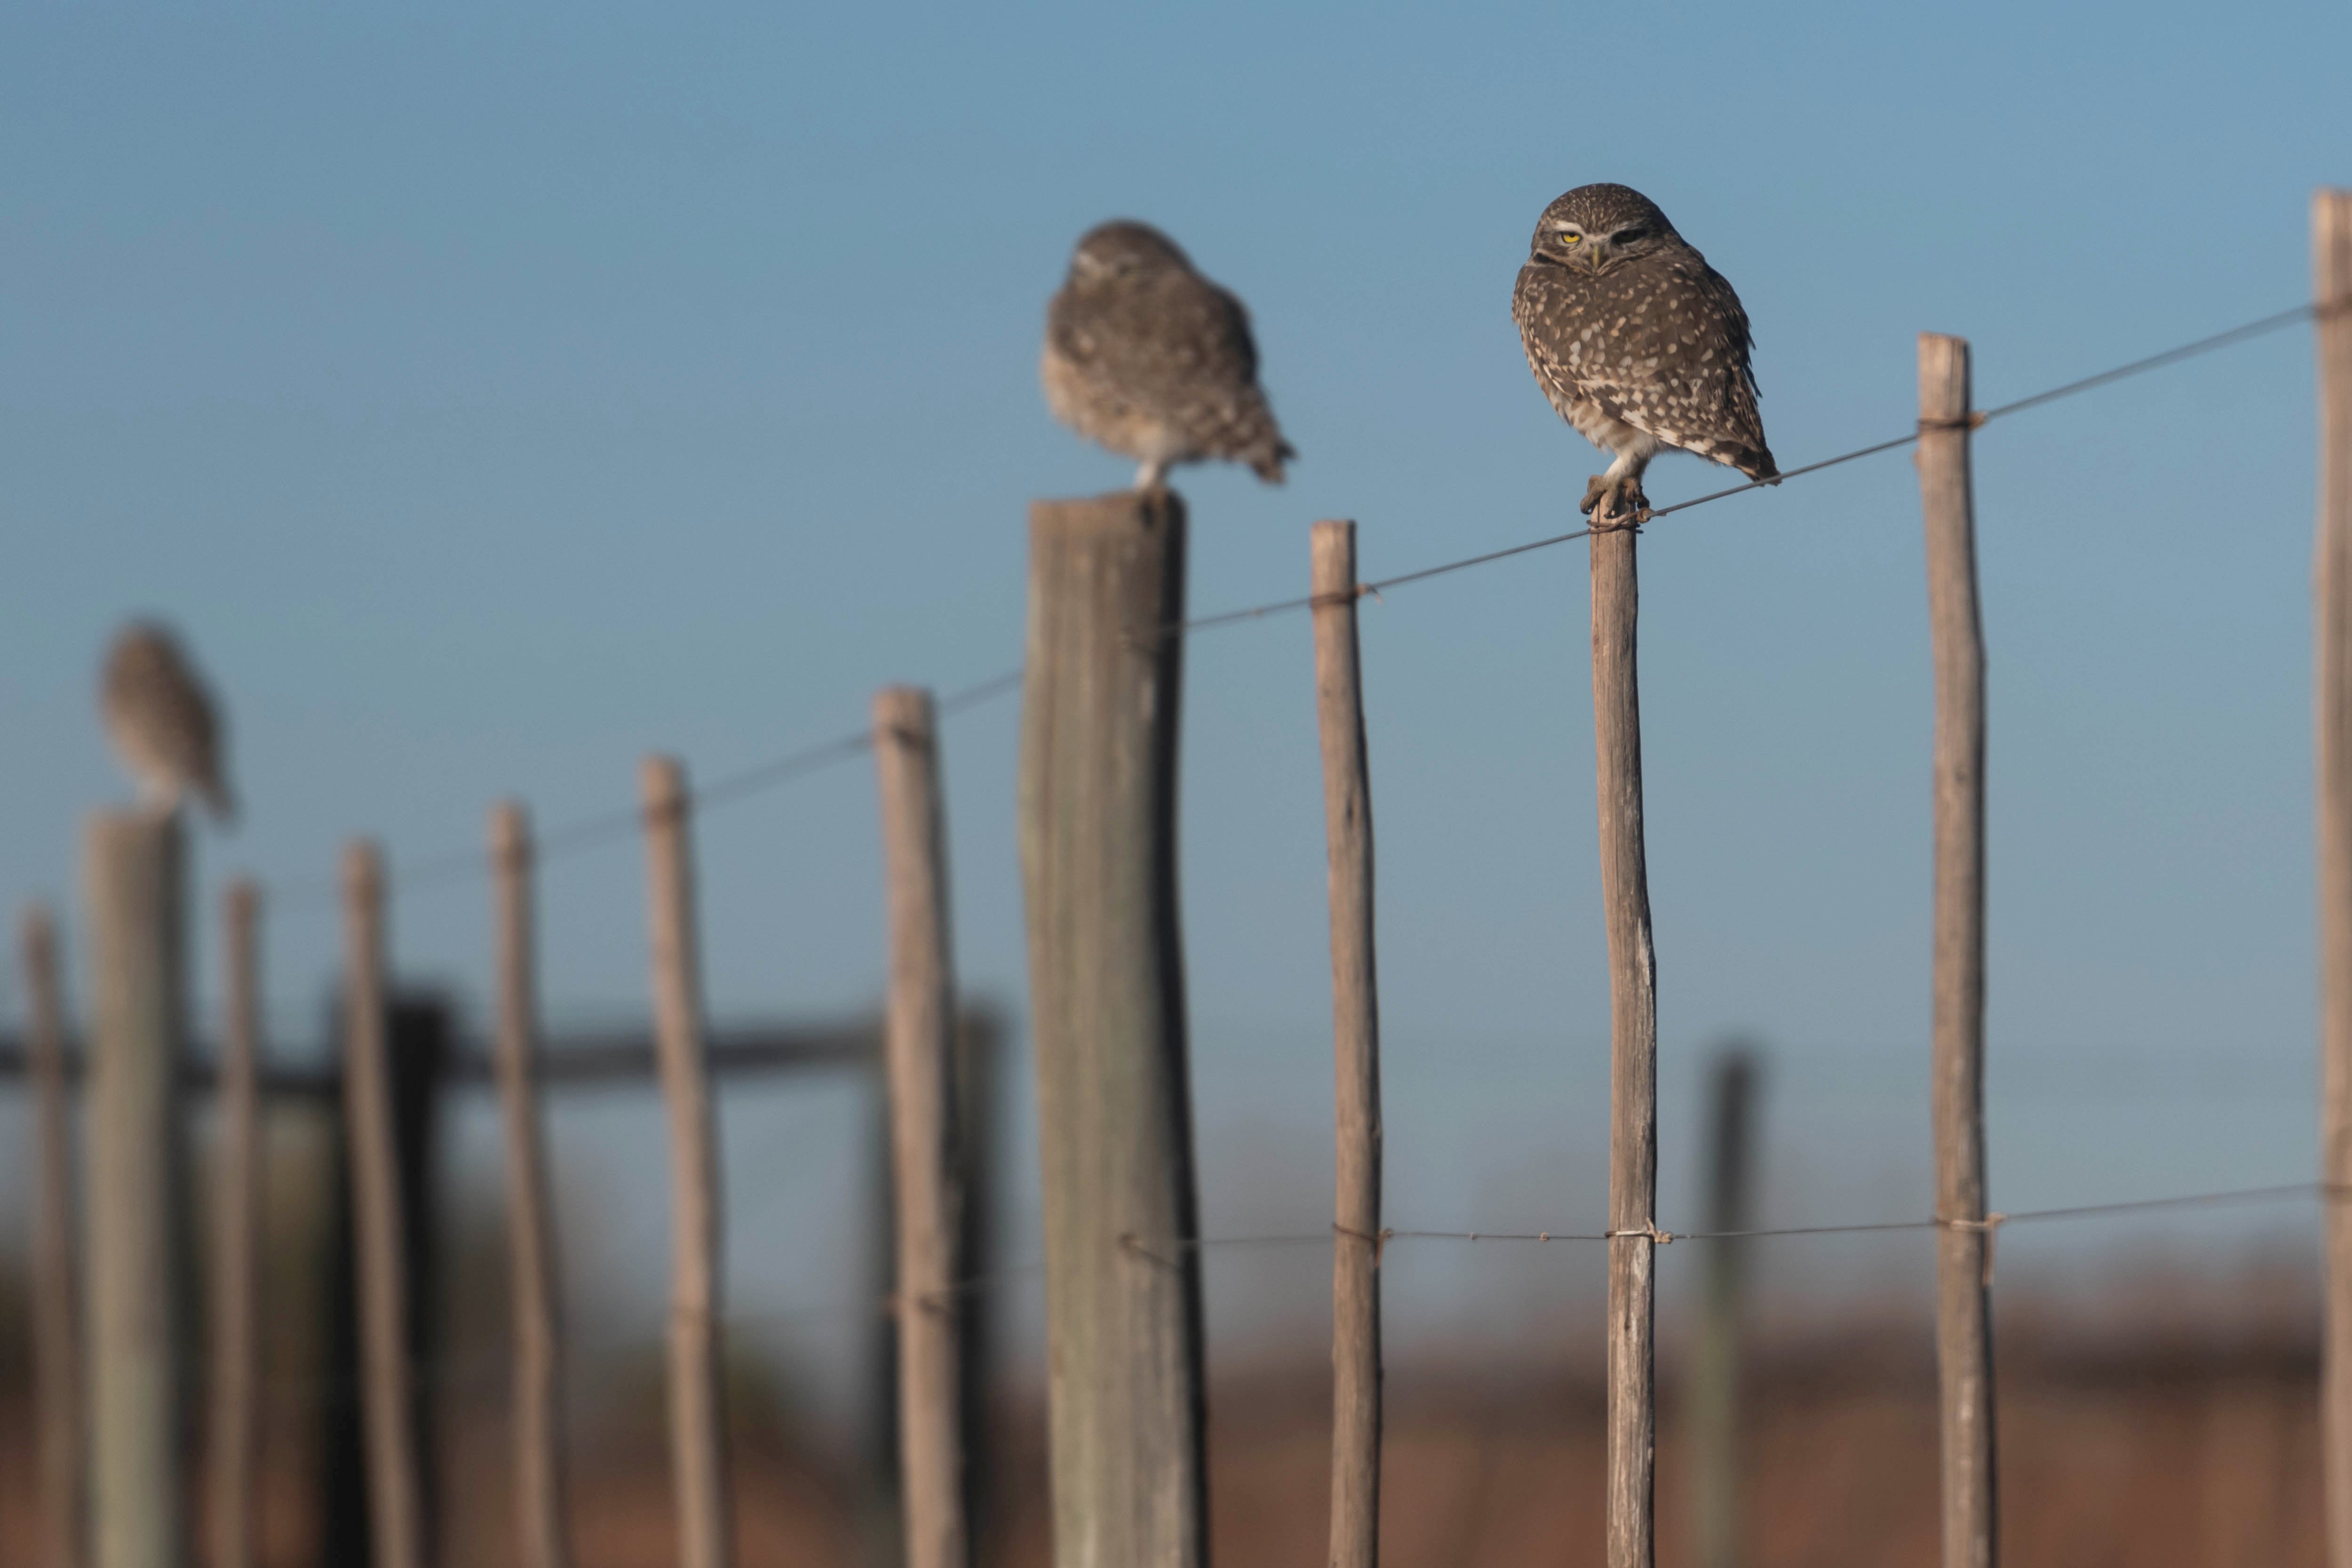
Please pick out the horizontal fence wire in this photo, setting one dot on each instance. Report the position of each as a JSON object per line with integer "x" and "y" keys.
{"x": 488, "y": 1372}
{"x": 456, "y": 867}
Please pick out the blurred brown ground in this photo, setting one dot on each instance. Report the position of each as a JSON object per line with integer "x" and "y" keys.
{"x": 2158, "y": 1425}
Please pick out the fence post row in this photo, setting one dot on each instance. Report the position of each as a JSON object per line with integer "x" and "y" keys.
{"x": 539, "y": 1528}
{"x": 1356, "y": 1055}
{"x": 1632, "y": 1052}
{"x": 1963, "y": 1242}
{"x": 236, "y": 1226}
{"x": 1101, "y": 691}
{"x": 134, "y": 1178}
{"x": 388, "y": 1387}
{"x": 2331, "y": 238}
{"x": 57, "y": 1293}
{"x": 697, "y": 1430}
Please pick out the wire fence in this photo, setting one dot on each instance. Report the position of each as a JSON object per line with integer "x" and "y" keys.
{"x": 457, "y": 867}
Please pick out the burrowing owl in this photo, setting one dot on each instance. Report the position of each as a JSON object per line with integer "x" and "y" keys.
{"x": 1637, "y": 341}
{"x": 1155, "y": 362}
{"x": 162, "y": 721}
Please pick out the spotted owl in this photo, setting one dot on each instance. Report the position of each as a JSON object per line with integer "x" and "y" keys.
{"x": 1155, "y": 362}
{"x": 162, "y": 721}
{"x": 1638, "y": 343}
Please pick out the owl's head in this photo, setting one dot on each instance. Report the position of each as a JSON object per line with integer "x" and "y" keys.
{"x": 1124, "y": 248}
{"x": 1595, "y": 227}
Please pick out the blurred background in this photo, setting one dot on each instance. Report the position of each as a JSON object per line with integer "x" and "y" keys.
{"x": 491, "y": 394}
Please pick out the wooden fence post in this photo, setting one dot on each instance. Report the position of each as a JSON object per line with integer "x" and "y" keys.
{"x": 58, "y": 1367}
{"x": 2331, "y": 238}
{"x": 919, "y": 1046}
{"x": 136, "y": 1179}
{"x": 541, "y": 1532}
{"x": 387, "y": 1393}
{"x": 1715, "y": 1365}
{"x": 1632, "y": 1054}
{"x": 1097, "y": 809}
{"x": 237, "y": 1225}
{"x": 1964, "y": 1243}
{"x": 697, "y": 1430}
{"x": 1356, "y": 1057}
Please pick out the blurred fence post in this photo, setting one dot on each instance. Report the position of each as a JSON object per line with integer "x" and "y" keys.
{"x": 1963, "y": 1242}
{"x": 697, "y": 1430}
{"x": 58, "y": 1367}
{"x": 1356, "y": 1043}
{"x": 381, "y": 1226}
{"x": 1633, "y": 1053}
{"x": 136, "y": 1183}
{"x": 541, "y": 1530}
{"x": 1715, "y": 1365}
{"x": 1101, "y": 702}
{"x": 236, "y": 1222}
{"x": 2331, "y": 238}
{"x": 919, "y": 1051}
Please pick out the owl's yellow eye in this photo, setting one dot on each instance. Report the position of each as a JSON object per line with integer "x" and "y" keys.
{"x": 1569, "y": 239}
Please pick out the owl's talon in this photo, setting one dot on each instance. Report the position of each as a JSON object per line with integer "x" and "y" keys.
{"x": 1614, "y": 504}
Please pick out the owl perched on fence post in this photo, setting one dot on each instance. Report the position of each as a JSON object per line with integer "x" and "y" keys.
{"x": 1155, "y": 362}
{"x": 1638, "y": 343}
{"x": 162, "y": 721}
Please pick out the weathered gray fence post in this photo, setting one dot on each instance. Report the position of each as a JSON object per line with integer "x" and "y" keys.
{"x": 57, "y": 1368}
{"x": 1632, "y": 1054}
{"x": 2331, "y": 246}
{"x": 1963, "y": 1305}
{"x": 237, "y": 1225}
{"x": 387, "y": 1393}
{"x": 698, "y": 1430}
{"x": 1356, "y": 1057}
{"x": 1715, "y": 1362}
{"x": 540, "y": 1531}
{"x": 136, "y": 1179}
{"x": 920, "y": 1048}
{"x": 1097, "y": 809}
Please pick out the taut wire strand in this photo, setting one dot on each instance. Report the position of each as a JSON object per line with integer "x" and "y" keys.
{"x": 612, "y": 826}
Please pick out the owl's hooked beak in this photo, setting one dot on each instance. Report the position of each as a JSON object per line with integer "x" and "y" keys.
{"x": 1588, "y": 257}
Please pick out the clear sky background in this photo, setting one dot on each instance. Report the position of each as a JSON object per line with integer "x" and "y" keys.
{"x": 495, "y": 393}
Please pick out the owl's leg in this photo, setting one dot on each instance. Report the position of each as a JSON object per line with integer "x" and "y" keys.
{"x": 1615, "y": 499}
{"x": 1153, "y": 476}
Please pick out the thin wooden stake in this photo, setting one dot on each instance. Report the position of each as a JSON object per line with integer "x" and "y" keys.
{"x": 1715, "y": 1362}
{"x": 136, "y": 1179}
{"x": 387, "y": 1388}
{"x": 1963, "y": 1301}
{"x": 697, "y": 1431}
{"x": 1098, "y": 731}
{"x": 2331, "y": 245}
{"x": 1632, "y": 1054}
{"x": 236, "y": 1227}
{"x": 925, "y": 1123}
{"x": 57, "y": 1368}
{"x": 1356, "y": 1057}
{"x": 539, "y": 1530}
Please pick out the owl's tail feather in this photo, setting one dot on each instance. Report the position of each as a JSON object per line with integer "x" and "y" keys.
{"x": 1756, "y": 462}
{"x": 1267, "y": 460}
{"x": 220, "y": 800}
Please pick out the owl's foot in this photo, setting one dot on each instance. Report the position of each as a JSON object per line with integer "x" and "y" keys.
{"x": 1615, "y": 503}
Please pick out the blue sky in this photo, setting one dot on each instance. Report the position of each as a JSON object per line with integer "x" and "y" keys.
{"x": 494, "y": 394}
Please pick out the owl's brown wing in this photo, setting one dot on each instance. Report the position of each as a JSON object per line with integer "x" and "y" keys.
{"x": 1663, "y": 346}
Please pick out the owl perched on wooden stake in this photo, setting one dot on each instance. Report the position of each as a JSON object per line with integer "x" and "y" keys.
{"x": 1638, "y": 343}
{"x": 1155, "y": 362}
{"x": 162, "y": 721}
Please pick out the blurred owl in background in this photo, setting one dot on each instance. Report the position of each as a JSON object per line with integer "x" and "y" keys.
{"x": 1155, "y": 362}
{"x": 162, "y": 723}
{"x": 1639, "y": 344}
